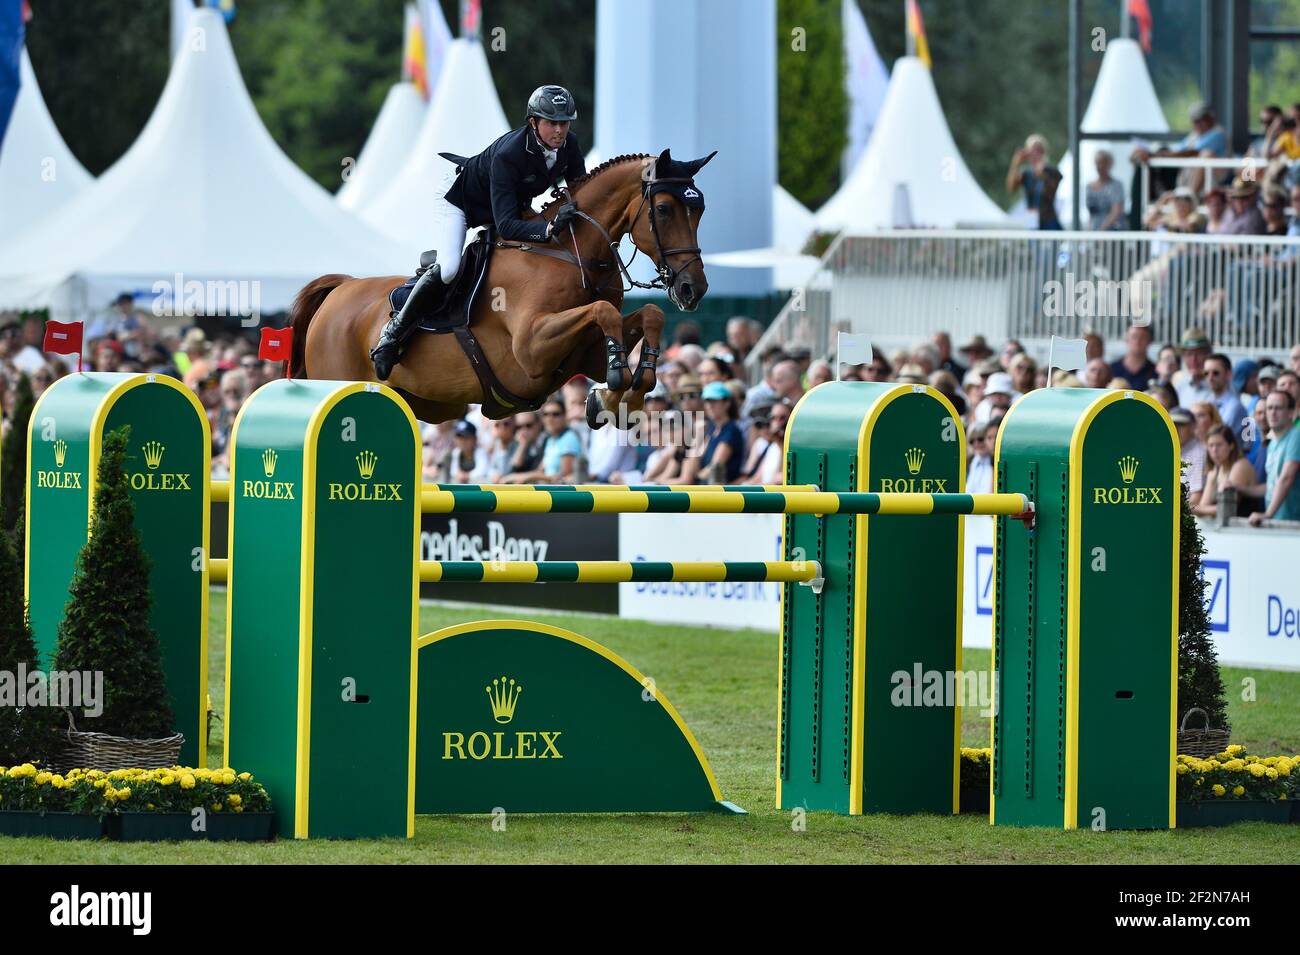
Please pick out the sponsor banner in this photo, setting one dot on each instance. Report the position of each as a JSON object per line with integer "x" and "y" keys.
{"x": 1253, "y": 596}
{"x": 977, "y": 592}
{"x": 535, "y": 537}
{"x": 686, "y": 537}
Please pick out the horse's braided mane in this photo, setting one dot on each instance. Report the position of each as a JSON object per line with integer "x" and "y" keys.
{"x": 608, "y": 163}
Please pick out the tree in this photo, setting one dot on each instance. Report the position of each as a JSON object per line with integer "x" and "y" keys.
{"x": 812, "y": 107}
{"x": 1199, "y": 681}
{"x": 30, "y": 734}
{"x": 106, "y": 625}
{"x": 13, "y": 458}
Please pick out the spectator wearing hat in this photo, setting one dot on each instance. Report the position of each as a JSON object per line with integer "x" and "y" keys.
{"x": 1135, "y": 366}
{"x": 1281, "y": 490}
{"x": 911, "y": 374}
{"x": 976, "y": 350}
{"x": 724, "y": 448}
{"x": 999, "y": 395}
{"x": 1192, "y": 451}
{"x": 469, "y": 461}
{"x": 1176, "y": 212}
{"x": 1267, "y": 379}
{"x": 1244, "y": 216}
{"x": 1245, "y": 382}
{"x": 1218, "y": 372}
{"x": 1191, "y": 383}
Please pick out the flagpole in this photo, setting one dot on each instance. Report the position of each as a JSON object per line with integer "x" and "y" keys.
{"x": 910, "y": 37}
{"x": 1051, "y": 348}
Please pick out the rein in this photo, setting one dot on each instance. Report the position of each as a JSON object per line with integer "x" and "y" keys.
{"x": 666, "y": 275}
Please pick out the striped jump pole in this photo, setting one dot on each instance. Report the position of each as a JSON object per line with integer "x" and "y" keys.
{"x": 542, "y": 501}
{"x": 220, "y": 489}
{"x": 619, "y": 572}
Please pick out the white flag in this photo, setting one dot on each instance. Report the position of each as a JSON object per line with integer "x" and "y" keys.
{"x": 852, "y": 349}
{"x": 1067, "y": 354}
{"x": 437, "y": 36}
{"x": 865, "y": 80}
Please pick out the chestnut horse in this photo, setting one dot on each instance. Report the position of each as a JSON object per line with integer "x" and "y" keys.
{"x": 545, "y": 313}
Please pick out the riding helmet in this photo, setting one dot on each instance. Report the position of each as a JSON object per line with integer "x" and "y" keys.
{"x": 554, "y": 103}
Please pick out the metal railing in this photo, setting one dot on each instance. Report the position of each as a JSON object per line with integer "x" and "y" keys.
{"x": 900, "y": 287}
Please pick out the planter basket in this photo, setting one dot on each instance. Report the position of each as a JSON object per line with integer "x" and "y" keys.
{"x": 104, "y": 752}
{"x": 1204, "y": 742}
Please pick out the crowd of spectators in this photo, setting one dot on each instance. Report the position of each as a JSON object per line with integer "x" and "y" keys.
{"x": 702, "y": 425}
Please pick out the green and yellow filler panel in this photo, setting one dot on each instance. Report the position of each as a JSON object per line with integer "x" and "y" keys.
{"x": 857, "y": 730}
{"x": 167, "y": 464}
{"x": 323, "y": 606}
{"x": 1086, "y": 613}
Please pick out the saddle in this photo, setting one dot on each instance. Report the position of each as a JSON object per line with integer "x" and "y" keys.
{"x": 455, "y": 306}
{"x": 452, "y": 314}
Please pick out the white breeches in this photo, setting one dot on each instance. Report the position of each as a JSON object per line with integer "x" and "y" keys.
{"x": 448, "y": 231}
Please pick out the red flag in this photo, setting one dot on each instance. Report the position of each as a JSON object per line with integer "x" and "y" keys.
{"x": 276, "y": 345}
{"x": 64, "y": 338}
{"x": 1140, "y": 11}
{"x": 27, "y": 11}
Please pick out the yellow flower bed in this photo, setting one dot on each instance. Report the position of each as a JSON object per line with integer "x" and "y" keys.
{"x": 93, "y": 792}
{"x": 1236, "y": 774}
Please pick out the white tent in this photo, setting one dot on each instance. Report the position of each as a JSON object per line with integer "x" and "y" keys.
{"x": 1124, "y": 100}
{"x": 387, "y": 147}
{"x": 792, "y": 225}
{"x": 464, "y": 117}
{"x": 911, "y": 162}
{"x": 38, "y": 173}
{"x": 204, "y": 199}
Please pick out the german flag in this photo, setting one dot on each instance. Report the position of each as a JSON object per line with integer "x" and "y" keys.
{"x": 916, "y": 42}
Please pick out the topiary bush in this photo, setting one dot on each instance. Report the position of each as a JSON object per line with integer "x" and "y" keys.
{"x": 106, "y": 625}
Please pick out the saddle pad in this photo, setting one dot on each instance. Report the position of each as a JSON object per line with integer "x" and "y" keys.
{"x": 457, "y": 304}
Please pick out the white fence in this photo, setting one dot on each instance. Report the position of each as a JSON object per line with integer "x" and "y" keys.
{"x": 902, "y": 286}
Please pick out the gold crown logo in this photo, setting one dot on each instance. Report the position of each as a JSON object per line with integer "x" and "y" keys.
{"x": 1128, "y": 468}
{"x": 60, "y": 452}
{"x": 268, "y": 461}
{"x": 504, "y": 695}
{"x": 153, "y": 452}
{"x": 366, "y": 462}
{"x": 914, "y": 458}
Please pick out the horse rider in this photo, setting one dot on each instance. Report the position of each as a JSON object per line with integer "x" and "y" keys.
{"x": 494, "y": 188}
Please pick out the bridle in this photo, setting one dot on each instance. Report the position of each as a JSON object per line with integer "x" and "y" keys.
{"x": 666, "y": 274}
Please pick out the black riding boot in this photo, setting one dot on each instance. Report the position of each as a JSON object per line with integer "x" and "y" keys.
{"x": 388, "y": 350}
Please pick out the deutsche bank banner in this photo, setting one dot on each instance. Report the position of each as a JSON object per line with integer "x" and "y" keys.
{"x": 1253, "y": 593}
{"x": 685, "y": 537}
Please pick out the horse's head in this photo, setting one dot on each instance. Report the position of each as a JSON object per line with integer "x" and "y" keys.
{"x": 667, "y": 230}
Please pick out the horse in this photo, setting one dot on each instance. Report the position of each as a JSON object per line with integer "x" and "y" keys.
{"x": 549, "y": 311}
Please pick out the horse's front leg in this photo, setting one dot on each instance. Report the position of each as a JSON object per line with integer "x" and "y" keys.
{"x": 551, "y": 339}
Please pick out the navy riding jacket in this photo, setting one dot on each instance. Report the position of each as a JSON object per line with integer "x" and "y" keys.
{"x": 499, "y": 184}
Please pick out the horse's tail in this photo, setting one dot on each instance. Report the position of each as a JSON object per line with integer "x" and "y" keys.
{"x": 300, "y": 315}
